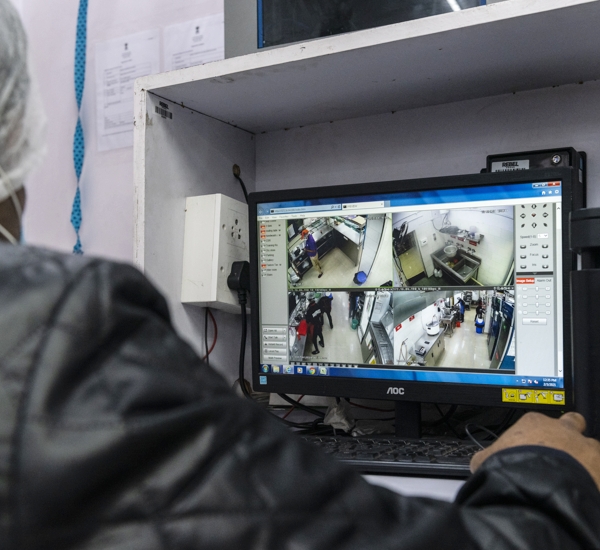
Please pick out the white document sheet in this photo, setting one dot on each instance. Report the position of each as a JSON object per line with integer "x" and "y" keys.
{"x": 118, "y": 63}
{"x": 194, "y": 42}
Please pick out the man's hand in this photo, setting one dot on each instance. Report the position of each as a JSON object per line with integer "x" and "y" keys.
{"x": 564, "y": 434}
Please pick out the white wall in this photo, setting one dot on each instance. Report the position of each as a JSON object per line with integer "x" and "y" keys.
{"x": 434, "y": 141}
{"x": 107, "y": 179}
{"x": 433, "y": 242}
{"x": 413, "y": 329}
{"x": 174, "y": 169}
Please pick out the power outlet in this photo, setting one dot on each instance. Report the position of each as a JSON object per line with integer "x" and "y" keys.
{"x": 216, "y": 235}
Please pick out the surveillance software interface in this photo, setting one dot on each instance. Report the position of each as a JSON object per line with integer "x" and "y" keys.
{"x": 458, "y": 285}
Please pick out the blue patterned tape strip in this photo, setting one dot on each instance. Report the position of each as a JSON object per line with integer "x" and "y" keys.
{"x": 78, "y": 140}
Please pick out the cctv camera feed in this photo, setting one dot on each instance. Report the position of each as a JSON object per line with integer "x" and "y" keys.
{"x": 437, "y": 286}
{"x": 454, "y": 247}
{"x": 321, "y": 327}
{"x": 416, "y": 328}
{"x": 340, "y": 251}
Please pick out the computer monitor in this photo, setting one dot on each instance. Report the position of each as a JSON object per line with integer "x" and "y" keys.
{"x": 445, "y": 290}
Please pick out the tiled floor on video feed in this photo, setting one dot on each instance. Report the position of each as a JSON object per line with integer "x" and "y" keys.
{"x": 465, "y": 348}
{"x": 338, "y": 270}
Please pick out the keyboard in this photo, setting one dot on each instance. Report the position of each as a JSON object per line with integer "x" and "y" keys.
{"x": 431, "y": 457}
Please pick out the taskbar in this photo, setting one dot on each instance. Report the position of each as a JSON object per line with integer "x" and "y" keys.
{"x": 497, "y": 378}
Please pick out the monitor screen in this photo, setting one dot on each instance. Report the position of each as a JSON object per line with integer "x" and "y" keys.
{"x": 442, "y": 290}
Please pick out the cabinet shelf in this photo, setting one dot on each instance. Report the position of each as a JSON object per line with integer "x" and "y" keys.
{"x": 506, "y": 47}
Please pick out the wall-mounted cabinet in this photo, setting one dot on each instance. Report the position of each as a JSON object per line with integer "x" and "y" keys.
{"x": 421, "y": 98}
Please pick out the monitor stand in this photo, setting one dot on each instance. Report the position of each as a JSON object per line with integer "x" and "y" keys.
{"x": 408, "y": 419}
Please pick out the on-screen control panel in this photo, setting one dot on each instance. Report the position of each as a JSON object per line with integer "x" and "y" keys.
{"x": 534, "y": 238}
{"x": 536, "y": 278}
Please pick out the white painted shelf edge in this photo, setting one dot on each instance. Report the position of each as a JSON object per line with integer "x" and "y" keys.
{"x": 428, "y": 26}
{"x": 509, "y": 46}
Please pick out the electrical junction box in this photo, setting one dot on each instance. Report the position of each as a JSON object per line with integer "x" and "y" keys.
{"x": 216, "y": 235}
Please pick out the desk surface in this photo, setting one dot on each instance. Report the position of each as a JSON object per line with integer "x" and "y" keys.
{"x": 442, "y": 489}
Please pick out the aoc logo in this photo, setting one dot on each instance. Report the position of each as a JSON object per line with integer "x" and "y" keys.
{"x": 395, "y": 391}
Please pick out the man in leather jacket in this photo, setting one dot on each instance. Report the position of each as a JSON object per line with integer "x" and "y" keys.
{"x": 115, "y": 435}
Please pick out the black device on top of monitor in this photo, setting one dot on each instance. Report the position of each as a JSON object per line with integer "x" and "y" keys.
{"x": 445, "y": 290}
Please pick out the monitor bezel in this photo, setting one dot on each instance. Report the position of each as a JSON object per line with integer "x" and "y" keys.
{"x": 431, "y": 392}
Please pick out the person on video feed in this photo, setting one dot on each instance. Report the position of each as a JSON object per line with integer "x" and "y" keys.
{"x": 314, "y": 317}
{"x": 461, "y": 310}
{"x": 324, "y": 304}
{"x": 311, "y": 250}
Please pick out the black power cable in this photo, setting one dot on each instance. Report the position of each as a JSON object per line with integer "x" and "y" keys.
{"x": 243, "y": 348}
{"x": 299, "y": 405}
{"x": 242, "y": 299}
{"x": 443, "y": 419}
{"x": 206, "y": 335}
{"x": 239, "y": 279}
{"x": 237, "y": 175}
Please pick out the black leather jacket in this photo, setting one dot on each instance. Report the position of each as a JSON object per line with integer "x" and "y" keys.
{"x": 114, "y": 435}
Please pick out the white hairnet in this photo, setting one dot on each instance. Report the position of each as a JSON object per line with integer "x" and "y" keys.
{"x": 21, "y": 117}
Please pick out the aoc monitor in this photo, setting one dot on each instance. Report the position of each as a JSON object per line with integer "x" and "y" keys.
{"x": 445, "y": 290}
